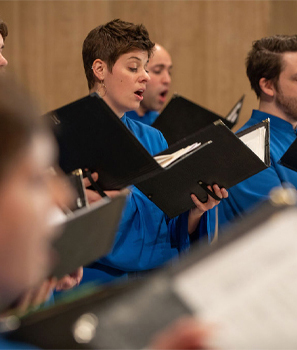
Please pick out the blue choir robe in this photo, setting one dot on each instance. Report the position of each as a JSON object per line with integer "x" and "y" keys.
{"x": 255, "y": 189}
{"x": 148, "y": 118}
{"x": 146, "y": 238}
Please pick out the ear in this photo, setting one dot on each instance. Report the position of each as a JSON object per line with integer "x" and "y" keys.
{"x": 99, "y": 69}
{"x": 267, "y": 87}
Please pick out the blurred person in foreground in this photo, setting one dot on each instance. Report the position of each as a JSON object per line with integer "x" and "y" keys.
{"x": 29, "y": 192}
{"x": 36, "y": 296}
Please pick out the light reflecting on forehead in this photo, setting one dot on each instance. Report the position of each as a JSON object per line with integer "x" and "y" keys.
{"x": 160, "y": 57}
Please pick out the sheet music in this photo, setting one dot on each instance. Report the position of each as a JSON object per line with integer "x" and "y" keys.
{"x": 255, "y": 140}
{"x": 168, "y": 159}
{"x": 248, "y": 289}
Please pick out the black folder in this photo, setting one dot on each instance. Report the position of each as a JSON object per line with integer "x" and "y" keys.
{"x": 126, "y": 316}
{"x": 181, "y": 118}
{"x": 87, "y": 235}
{"x": 289, "y": 159}
{"x": 91, "y": 136}
{"x": 223, "y": 159}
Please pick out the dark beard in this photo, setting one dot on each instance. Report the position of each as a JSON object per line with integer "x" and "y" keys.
{"x": 287, "y": 104}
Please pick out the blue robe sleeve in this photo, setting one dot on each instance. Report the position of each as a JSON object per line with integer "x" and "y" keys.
{"x": 241, "y": 198}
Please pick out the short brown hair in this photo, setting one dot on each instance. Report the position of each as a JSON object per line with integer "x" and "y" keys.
{"x": 3, "y": 29}
{"x": 111, "y": 40}
{"x": 265, "y": 59}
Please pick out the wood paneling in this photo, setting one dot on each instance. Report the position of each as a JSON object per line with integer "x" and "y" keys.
{"x": 283, "y": 17}
{"x": 208, "y": 41}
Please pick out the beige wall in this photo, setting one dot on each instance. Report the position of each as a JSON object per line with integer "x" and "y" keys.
{"x": 208, "y": 41}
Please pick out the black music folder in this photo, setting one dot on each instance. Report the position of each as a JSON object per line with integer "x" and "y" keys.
{"x": 289, "y": 159}
{"x": 87, "y": 235}
{"x": 244, "y": 286}
{"x": 91, "y": 136}
{"x": 181, "y": 118}
{"x": 223, "y": 159}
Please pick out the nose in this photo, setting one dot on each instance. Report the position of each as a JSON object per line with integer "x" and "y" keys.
{"x": 166, "y": 77}
{"x": 145, "y": 77}
{"x": 3, "y": 61}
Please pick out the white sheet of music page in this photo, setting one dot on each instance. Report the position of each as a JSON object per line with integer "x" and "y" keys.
{"x": 255, "y": 140}
{"x": 248, "y": 289}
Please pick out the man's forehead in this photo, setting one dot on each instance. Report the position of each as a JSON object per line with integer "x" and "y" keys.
{"x": 289, "y": 61}
{"x": 160, "y": 57}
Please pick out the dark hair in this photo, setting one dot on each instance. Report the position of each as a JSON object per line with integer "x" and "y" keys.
{"x": 111, "y": 40}
{"x": 265, "y": 59}
{"x": 3, "y": 29}
{"x": 19, "y": 121}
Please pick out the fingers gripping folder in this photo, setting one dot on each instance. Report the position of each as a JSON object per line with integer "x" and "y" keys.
{"x": 95, "y": 184}
{"x": 208, "y": 191}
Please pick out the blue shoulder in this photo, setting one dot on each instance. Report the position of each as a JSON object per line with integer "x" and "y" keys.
{"x": 151, "y": 138}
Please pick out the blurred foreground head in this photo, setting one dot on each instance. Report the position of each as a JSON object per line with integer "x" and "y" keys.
{"x": 28, "y": 192}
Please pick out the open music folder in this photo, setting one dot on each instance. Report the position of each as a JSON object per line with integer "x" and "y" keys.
{"x": 182, "y": 117}
{"x": 222, "y": 158}
{"x": 289, "y": 159}
{"x": 87, "y": 234}
{"x": 91, "y": 136}
{"x": 244, "y": 287}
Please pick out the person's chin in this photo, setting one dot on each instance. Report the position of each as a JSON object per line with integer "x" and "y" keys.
{"x": 158, "y": 106}
{"x": 133, "y": 106}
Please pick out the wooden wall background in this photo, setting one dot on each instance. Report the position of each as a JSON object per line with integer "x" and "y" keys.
{"x": 208, "y": 41}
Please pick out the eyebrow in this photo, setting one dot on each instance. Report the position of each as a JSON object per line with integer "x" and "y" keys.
{"x": 161, "y": 66}
{"x": 134, "y": 57}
